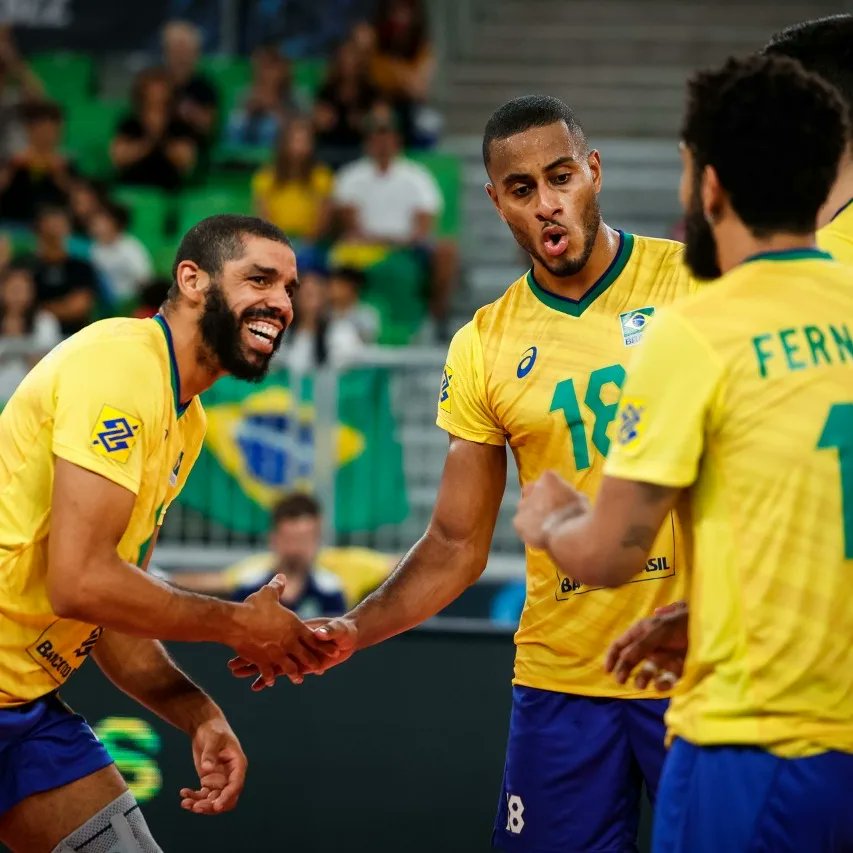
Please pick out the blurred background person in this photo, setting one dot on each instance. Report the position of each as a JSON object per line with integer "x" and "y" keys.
{"x": 22, "y": 321}
{"x": 387, "y": 199}
{"x": 342, "y": 104}
{"x": 269, "y": 102}
{"x": 195, "y": 97}
{"x": 345, "y": 305}
{"x": 85, "y": 199}
{"x": 294, "y": 192}
{"x": 122, "y": 261}
{"x": 295, "y": 539}
{"x": 153, "y": 146}
{"x": 39, "y": 174}
{"x": 315, "y": 338}
{"x": 66, "y": 286}
{"x": 403, "y": 64}
{"x": 18, "y": 87}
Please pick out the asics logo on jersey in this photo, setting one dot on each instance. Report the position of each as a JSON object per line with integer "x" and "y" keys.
{"x": 633, "y": 324}
{"x": 526, "y": 363}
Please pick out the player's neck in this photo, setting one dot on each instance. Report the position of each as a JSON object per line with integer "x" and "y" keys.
{"x": 841, "y": 192}
{"x": 736, "y": 244}
{"x": 195, "y": 372}
{"x": 604, "y": 250}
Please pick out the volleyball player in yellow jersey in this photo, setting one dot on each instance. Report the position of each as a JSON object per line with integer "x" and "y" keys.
{"x": 824, "y": 46}
{"x": 743, "y": 395}
{"x": 94, "y": 445}
{"x": 540, "y": 370}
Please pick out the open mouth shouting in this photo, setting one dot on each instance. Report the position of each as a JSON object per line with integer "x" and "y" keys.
{"x": 555, "y": 240}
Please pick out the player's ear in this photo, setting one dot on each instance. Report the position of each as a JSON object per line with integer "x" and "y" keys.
{"x": 192, "y": 281}
{"x": 493, "y": 195}
{"x": 713, "y": 194}
{"x": 593, "y": 160}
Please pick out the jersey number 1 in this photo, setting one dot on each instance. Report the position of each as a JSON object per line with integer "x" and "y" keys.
{"x": 565, "y": 400}
{"x": 838, "y": 433}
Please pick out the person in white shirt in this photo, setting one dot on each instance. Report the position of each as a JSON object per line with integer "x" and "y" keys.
{"x": 386, "y": 199}
{"x": 345, "y": 284}
{"x": 120, "y": 258}
{"x": 314, "y": 338}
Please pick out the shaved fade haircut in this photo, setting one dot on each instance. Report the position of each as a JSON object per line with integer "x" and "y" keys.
{"x": 524, "y": 113}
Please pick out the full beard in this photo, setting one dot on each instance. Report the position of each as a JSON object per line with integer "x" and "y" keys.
{"x": 700, "y": 249}
{"x": 221, "y": 335}
{"x": 564, "y": 266}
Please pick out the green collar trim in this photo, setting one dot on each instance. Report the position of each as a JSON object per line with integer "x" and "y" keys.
{"x": 791, "y": 255}
{"x": 180, "y": 408}
{"x": 576, "y": 307}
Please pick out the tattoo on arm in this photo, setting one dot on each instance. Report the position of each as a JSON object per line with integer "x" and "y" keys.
{"x": 639, "y": 536}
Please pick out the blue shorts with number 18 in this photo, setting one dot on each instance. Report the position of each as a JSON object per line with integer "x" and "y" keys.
{"x": 575, "y": 769}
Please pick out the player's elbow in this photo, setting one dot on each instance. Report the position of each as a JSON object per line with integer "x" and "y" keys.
{"x": 71, "y": 594}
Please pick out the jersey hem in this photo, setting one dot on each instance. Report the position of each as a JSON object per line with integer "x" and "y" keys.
{"x": 468, "y": 435}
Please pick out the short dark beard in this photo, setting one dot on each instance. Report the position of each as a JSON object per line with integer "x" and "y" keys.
{"x": 222, "y": 340}
{"x": 700, "y": 251}
{"x": 565, "y": 267}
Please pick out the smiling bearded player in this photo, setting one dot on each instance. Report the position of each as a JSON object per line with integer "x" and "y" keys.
{"x": 94, "y": 445}
{"x": 540, "y": 369}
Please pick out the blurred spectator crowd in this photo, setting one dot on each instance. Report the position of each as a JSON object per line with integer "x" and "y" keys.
{"x": 338, "y": 151}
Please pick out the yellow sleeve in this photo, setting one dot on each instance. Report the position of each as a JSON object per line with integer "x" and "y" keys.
{"x": 463, "y": 409}
{"x": 109, "y": 406}
{"x": 666, "y": 406}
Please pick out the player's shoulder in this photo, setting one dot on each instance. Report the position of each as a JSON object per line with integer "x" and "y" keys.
{"x": 492, "y": 317}
{"x": 660, "y": 252}
{"x": 115, "y": 342}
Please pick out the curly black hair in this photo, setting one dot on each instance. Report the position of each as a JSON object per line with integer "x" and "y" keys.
{"x": 824, "y": 46}
{"x": 773, "y": 133}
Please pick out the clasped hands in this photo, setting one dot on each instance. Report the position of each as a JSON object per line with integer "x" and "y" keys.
{"x": 272, "y": 641}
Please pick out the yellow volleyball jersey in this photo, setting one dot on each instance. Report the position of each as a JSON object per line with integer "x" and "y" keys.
{"x": 543, "y": 374}
{"x": 837, "y": 236}
{"x": 745, "y": 394}
{"x": 105, "y": 400}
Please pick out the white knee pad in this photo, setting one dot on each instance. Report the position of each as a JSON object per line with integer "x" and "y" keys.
{"x": 117, "y": 828}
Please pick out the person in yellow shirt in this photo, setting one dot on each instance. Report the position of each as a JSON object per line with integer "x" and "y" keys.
{"x": 540, "y": 370}
{"x": 294, "y": 192}
{"x": 824, "y": 47}
{"x": 740, "y": 400}
{"x": 95, "y": 444}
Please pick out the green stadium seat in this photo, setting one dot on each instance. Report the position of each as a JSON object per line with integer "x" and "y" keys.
{"x": 150, "y": 210}
{"x": 66, "y": 75}
{"x": 308, "y": 75}
{"x": 396, "y": 286}
{"x": 230, "y": 75}
{"x": 89, "y": 129}
{"x": 197, "y": 204}
{"x": 447, "y": 171}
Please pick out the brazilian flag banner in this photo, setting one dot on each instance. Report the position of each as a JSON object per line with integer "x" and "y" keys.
{"x": 260, "y": 443}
